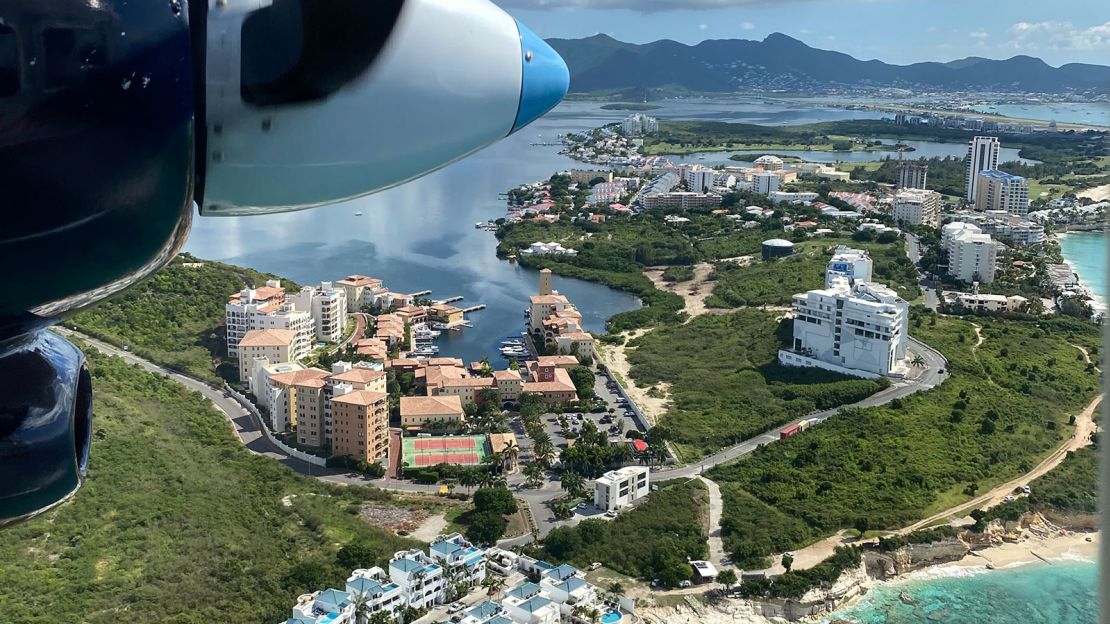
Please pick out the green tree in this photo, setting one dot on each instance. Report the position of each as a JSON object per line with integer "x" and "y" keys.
{"x": 486, "y": 527}
{"x": 727, "y": 577}
{"x": 496, "y": 500}
{"x": 583, "y": 379}
{"x": 572, "y": 483}
{"x": 358, "y": 555}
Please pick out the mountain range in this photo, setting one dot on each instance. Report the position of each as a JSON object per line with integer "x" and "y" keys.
{"x": 780, "y": 62}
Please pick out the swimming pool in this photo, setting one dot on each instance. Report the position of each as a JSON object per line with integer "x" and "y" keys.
{"x": 611, "y": 617}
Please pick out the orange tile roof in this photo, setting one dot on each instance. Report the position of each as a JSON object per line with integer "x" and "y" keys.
{"x": 445, "y": 361}
{"x": 578, "y": 336}
{"x": 361, "y": 397}
{"x": 359, "y": 280}
{"x": 310, "y": 377}
{"x": 467, "y": 382}
{"x": 431, "y": 406}
{"x": 268, "y": 338}
{"x": 559, "y": 361}
{"x": 358, "y": 374}
{"x": 548, "y": 299}
{"x": 506, "y": 375}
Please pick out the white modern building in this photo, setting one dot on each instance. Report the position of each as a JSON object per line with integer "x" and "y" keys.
{"x": 243, "y": 305}
{"x": 982, "y": 154}
{"x": 857, "y": 330}
{"x": 701, "y": 179}
{"x": 998, "y": 190}
{"x": 618, "y": 488}
{"x": 854, "y": 265}
{"x": 421, "y": 579}
{"x": 335, "y": 606}
{"x": 971, "y": 253}
{"x": 464, "y": 562}
{"x": 765, "y": 183}
{"x": 784, "y": 196}
{"x": 914, "y": 206}
{"x": 1002, "y": 225}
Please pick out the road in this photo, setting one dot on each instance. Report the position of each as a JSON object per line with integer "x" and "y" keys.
{"x": 246, "y": 428}
{"x": 930, "y": 377}
{"x": 913, "y": 252}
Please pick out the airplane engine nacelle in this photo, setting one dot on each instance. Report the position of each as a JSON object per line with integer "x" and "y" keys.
{"x": 45, "y": 424}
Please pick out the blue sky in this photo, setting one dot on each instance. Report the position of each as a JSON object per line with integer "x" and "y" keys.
{"x": 896, "y": 31}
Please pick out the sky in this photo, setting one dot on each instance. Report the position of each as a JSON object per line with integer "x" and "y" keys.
{"x": 895, "y": 31}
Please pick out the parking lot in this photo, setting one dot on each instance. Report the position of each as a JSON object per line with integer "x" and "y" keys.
{"x": 615, "y": 424}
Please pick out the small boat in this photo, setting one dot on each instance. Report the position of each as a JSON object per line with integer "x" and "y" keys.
{"x": 358, "y": 214}
{"x": 478, "y": 225}
{"x": 426, "y": 334}
{"x": 512, "y": 342}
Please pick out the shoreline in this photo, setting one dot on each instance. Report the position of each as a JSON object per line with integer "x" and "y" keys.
{"x": 1072, "y": 547}
{"x": 1098, "y": 303}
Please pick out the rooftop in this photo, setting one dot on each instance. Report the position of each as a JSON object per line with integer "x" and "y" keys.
{"x": 310, "y": 377}
{"x": 268, "y": 338}
{"x": 361, "y": 397}
{"x": 431, "y": 405}
{"x": 358, "y": 374}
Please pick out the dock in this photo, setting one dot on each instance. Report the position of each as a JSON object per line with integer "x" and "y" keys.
{"x": 421, "y": 293}
{"x": 475, "y": 308}
{"x": 449, "y": 300}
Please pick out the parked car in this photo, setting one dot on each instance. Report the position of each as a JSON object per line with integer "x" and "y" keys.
{"x": 1025, "y": 488}
{"x": 684, "y": 584}
{"x": 1007, "y": 499}
{"x": 595, "y": 565}
{"x": 610, "y": 514}
{"x": 455, "y": 607}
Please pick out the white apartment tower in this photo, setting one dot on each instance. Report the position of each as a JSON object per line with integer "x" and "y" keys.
{"x": 849, "y": 329}
{"x": 998, "y": 190}
{"x": 971, "y": 253}
{"x": 328, "y": 307}
{"x": 915, "y": 206}
{"x": 765, "y": 183}
{"x": 982, "y": 154}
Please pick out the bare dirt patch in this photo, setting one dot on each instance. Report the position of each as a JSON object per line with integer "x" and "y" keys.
{"x": 615, "y": 358}
{"x": 397, "y": 518}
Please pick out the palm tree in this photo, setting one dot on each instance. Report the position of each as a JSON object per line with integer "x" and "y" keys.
{"x": 511, "y": 453}
{"x": 918, "y": 361}
{"x": 485, "y": 480}
{"x": 469, "y": 479}
{"x": 361, "y": 604}
{"x": 493, "y": 585}
{"x": 496, "y": 461}
{"x": 572, "y": 482}
{"x": 534, "y": 475}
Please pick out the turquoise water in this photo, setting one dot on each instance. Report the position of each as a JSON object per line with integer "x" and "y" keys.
{"x": 1086, "y": 252}
{"x": 611, "y": 617}
{"x": 1061, "y": 593}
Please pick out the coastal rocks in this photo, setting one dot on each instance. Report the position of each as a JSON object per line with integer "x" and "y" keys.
{"x": 851, "y": 585}
{"x": 885, "y": 565}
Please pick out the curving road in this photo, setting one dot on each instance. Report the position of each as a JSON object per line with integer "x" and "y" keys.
{"x": 933, "y": 375}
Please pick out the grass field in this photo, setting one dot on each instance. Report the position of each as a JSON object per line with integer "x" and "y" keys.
{"x": 178, "y": 523}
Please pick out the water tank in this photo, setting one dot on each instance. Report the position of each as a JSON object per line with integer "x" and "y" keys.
{"x": 777, "y": 248}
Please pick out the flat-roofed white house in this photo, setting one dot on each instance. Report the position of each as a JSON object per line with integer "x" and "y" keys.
{"x": 618, "y": 488}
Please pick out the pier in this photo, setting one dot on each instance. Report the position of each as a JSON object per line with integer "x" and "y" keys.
{"x": 421, "y": 293}
{"x": 480, "y": 306}
{"x": 449, "y": 300}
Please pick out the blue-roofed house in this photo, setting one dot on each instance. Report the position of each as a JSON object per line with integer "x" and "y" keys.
{"x": 465, "y": 562}
{"x": 483, "y": 613}
{"x": 562, "y": 572}
{"x": 331, "y": 606}
{"x": 528, "y": 606}
{"x": 420, "y": 578}
{"x": 381, "y": 592}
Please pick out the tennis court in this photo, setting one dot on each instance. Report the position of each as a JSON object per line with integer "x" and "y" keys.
{"x": 431, "y": 450}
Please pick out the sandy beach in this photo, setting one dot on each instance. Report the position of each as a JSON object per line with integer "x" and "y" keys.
{"x": 1070, "y": 547}
{"x": 1098, "y": 193}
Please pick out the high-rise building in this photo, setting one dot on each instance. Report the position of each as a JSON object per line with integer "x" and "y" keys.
{"x": 765, "y": 183}
{"x": 360, "y": 424}
{"x": 700, "y": 179}
{"x": 998, "y": 190}
{"x": 638, "y": 124}
{"x": 916, "y": 206}
{"x": 971, "y": 253}
{"x": 849, "y": 328}
{"x": 982, "y": 154}
{"x": 328, "y": 307}
{"x": 912, "y": 174}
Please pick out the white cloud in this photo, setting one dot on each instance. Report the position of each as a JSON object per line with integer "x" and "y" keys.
{"x": 978, "y": 34}
{"x": 1059, "y": 36}
{"x": 643, "y": 6}
{"x": 703, "y": 26}
{"x": 747, "y": 26}
{"x": 804, "y": 31}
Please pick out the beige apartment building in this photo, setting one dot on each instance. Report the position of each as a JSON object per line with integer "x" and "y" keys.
{"x": 418, "y": 412}
{"x": 273, "y": 344}
{"x": 360, "y": 425}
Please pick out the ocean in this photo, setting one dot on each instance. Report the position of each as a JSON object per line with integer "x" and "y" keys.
{"x": 1063, "y": 592}
{"x": 1086, "y": 253}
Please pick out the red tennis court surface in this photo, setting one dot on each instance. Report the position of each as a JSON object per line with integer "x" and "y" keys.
{"x": 443, "y": 444}
{"x": 431, "y": 459}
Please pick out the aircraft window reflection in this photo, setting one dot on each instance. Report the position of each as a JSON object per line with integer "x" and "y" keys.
{"x": 71, "y": 50}
{"x": 9, "y": 62}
